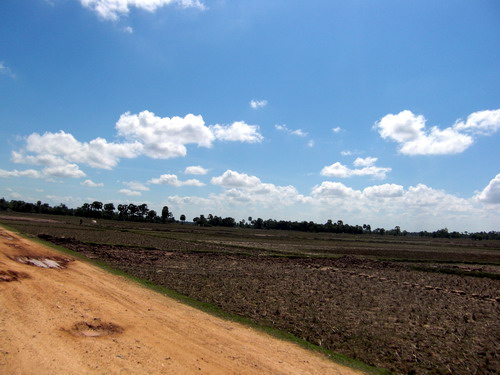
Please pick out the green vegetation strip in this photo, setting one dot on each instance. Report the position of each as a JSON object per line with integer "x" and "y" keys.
{"x": 215, "y": 310}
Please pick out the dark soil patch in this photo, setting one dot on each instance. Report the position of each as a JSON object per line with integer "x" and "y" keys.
{"x": 96, "y": 328}
{"x": 383, "y": 313}
{"x": 8, "y": 276}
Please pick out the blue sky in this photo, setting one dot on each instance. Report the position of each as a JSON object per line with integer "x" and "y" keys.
{"x": 378, "y": 112}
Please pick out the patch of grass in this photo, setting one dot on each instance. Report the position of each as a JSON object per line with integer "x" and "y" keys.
{"x": 215, "y": 310}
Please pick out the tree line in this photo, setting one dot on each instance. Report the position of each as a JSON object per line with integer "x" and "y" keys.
{"x": 141, "y": 213}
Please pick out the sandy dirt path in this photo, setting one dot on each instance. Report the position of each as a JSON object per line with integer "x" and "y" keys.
{"x": 82, "y": 320}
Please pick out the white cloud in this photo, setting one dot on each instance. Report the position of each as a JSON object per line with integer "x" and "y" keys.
{"x": 135, "y": 185}
{"x": 131, "y": 193}
{"x": 350, "y": 152}
{"x": 334, "y": 189}
{"x": 65, "y": 171}
{"x": 383, "y": 191}
{"x": 432, "y": 200}
{"x": 164, "y": 137}
{"x": 337, "y": 129}
{"x": 172, "y": 179}
{"x": 15, "y": 173}
{"x": 196, "y": 169}
{"x": 310, "y": 143}
{"x": 98, "y": 153}
{"x": 144, "y": 133}
{"x": 438, "y": 142}
{"x": 365, "y": 162}
{"x": 232, "y": 179}
{"x": 15, "y": 195}
{"x": 114, "y": 9}
{"x": 128, "y": 29}
{"x": 339, "y": 170}
{"x": 90, "y": 183}
{"x": 256, "y": 104}
{"x": 482, "y": 123}
{"x": 284, "y": 128}
{"x": 5, "y": 70}
{"x": 238, "y": 131}
{"x": 410, "y": 132}
{"x": 241, "y": 187}
{"x": 491, "y": 193}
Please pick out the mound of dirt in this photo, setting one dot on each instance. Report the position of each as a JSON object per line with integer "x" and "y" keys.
{"x": 96, "y": 328}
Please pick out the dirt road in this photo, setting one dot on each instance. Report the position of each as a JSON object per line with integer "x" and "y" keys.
{"x": 63, "y": 316}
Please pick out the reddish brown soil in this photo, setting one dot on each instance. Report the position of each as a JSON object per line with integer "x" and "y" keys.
{"x": 380, "y": 312}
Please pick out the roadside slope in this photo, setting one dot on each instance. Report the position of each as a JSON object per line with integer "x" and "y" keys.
{"x": 82, "y": 320}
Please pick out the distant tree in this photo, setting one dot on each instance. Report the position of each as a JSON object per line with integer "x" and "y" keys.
{"x": 183, "y": 218}
{"x": 122, "y": 211}
{"x": 152, "y": 215}
{"x": 165, "y": 214}
{"x": 96, "y": 206}
{"x": 133, "y": 211}
{"x": 109, "y": 209}
{"x": 143, "y": 210}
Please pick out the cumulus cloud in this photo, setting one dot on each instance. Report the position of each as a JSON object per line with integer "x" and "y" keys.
{"x": 52, "y": 148}
{"x": 310, "y": 143}
{"x": 383, "y": 191}
{"x": 336, "y": 129}
{"x": 256, "y": 104}
{"x": 65, "y": 171}
{"x": 135, "y": 185}
{"x": 142, "y": 134}
{"x": 232, "y": 179}
{"x": 365, "y": 162}
{"x": 90, "y": 183}
{"x": 196, "y": 169}
{"x": 173, "y": 180}
{"x": 491, "y": 193}
{"x": 15, "y": 173}
{"x": 114, "y": 9}
{"x": 284, "y": 128}
{"x": 334, "y": 189}
{"x": 164, "y": 137}
{"x": 130, "y": 193}
{"x": 241, "y": 187}
{"x": 238, "y": 131}
{"x": 409, "y": 130}
{"x": 368, "y": 169}
{"x": 482, "y": 123}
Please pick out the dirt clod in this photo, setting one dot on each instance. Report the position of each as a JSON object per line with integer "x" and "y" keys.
{"x": 95, "y": 328}
{"x": 8, "y": 276}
